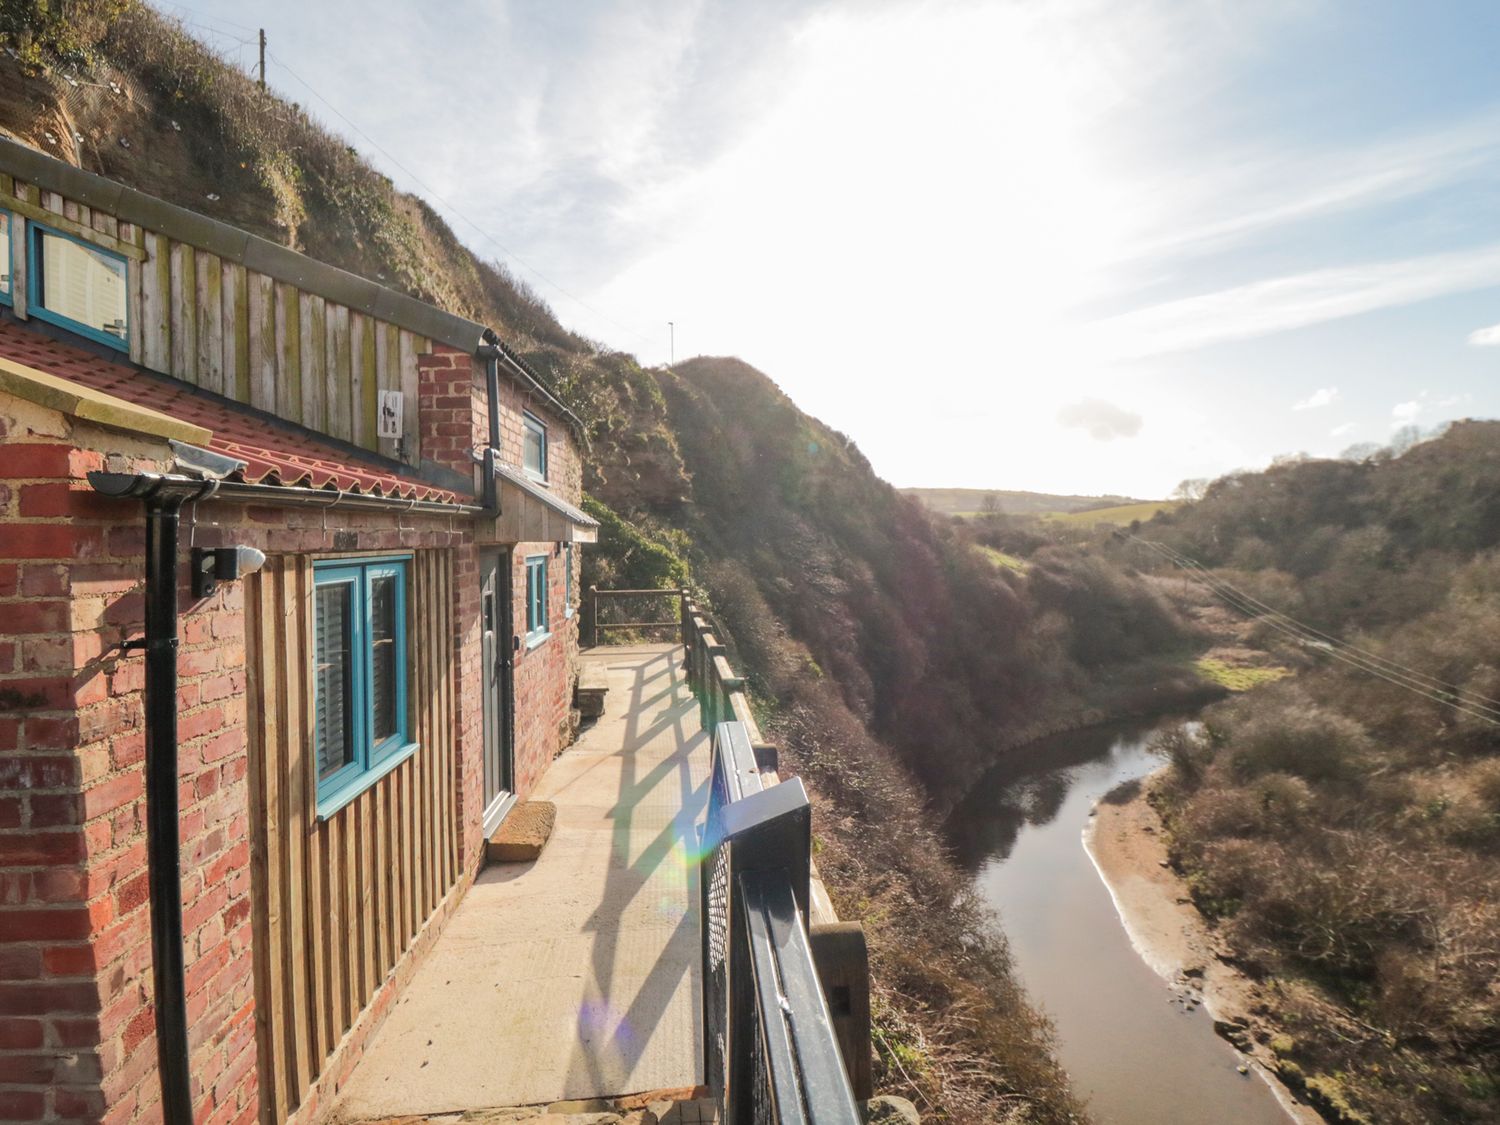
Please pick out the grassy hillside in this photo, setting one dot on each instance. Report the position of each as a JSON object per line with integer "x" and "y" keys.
{"x": 973, "y": 501}
{"x": 1118, "y": 515}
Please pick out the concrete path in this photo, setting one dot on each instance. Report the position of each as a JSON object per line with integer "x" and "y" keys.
{"x": 575, "y": 976}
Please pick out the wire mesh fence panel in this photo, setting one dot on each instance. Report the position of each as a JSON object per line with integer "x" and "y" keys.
{"x": 634, "y": 616}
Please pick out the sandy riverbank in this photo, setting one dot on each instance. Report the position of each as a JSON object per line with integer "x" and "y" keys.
{"x": 1124, "y": 839}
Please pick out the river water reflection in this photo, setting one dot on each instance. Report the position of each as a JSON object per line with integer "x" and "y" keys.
{"x": 1137, "y": 1057}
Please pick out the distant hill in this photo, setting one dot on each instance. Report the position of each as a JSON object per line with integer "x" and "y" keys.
{"x": 968, "y": 501}
{"x": 1120, "y": 515}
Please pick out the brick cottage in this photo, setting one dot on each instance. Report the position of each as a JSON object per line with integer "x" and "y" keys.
{"x": 302, "y": 754}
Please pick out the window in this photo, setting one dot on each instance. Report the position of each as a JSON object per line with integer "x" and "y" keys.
{"x": 536, "y": 599}
{"x": 6, "y": 268}
{"x": 359, "y": 676}
{"x": 534, "y": 454}
{"x": 78, "y": 286}
{"x": 568, "y": 578}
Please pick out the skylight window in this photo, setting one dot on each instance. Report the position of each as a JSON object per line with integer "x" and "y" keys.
{"x": 78, "y": 286}
{"x": 6, "y": 270}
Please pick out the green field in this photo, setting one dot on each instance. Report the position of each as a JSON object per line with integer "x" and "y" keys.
{"x": 1238, "y": 677}
{"x": 1121, "y": 515}
{"x": 1004, "y": 561}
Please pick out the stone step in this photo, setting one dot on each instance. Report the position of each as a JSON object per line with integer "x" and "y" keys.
{"x": 593, "y": 686}
{"x": 524, "y": 833}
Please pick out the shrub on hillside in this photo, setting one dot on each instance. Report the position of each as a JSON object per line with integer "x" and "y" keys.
{"x": 1298, "y": 738}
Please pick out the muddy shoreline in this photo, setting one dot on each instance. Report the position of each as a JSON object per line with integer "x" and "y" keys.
{"x": 1125, "y": 840}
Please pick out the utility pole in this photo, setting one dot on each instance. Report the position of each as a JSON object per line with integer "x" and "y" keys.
{"x": 262, "y": 58}
{"x": 672, "y": 345}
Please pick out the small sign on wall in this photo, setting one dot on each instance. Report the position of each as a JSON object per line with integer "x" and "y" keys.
{"x": 391, "y": 407}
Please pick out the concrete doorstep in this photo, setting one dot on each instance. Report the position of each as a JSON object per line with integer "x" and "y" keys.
{"x": 524, "y": 834}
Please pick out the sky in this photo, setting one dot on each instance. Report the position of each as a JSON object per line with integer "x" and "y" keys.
{"x": 1081, "y": 246}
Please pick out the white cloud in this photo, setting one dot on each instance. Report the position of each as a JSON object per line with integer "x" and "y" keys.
{"x": 1340, "y": 431}
{"x": 1323, "y": 396}
{"x": 1281, "y": 304}
{"x": 1404, "y": 412}
{"x": 1103, "y": 420}
{"x": 1485, "y": 337}
{"x": 1256, "y": 190}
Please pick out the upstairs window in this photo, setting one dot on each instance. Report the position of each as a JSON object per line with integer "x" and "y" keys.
{"x": 536, "y": 599}
{"x": 534, "y": 454}
{"x": 78, "y": 286}
{"x": 360, "y": 659}
{"x": 6, "y": 268}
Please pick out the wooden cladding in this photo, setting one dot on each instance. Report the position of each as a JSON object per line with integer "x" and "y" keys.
{"x": 338, "y": 902}
{"x": 241, "y": 334}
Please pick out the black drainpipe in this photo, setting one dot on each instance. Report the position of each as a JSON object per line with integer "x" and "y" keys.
{"x": 164, "y": 500}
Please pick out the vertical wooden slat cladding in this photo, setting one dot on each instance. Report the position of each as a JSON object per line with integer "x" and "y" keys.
{"x": 156, "y": 304}
{"x": 184, "y": 312}
{"x": 209, "y": 286}
{"x": 224, "y": 327}
{"x": 338, "y": 902}
{"x": 267, "y": 741}
{"x": 261, "y": 310}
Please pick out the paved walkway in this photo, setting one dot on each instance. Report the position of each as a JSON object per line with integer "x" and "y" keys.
{"x": 576, "y": 976}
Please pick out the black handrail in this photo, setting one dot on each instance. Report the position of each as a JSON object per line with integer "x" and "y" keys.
{"x": 770, "y": 1052}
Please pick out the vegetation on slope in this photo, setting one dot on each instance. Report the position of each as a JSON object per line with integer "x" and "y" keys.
{"x": 1344, "y": 830}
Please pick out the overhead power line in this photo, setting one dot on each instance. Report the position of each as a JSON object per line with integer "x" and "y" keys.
{"x": 1252, "y": 607}
{"x": 481, "y": 231}
{"x": 1410, "y": 679}
{"x": 1261, "y": 610}
{"x": 1375, "y": 658}
{"x": 205, "y": 16}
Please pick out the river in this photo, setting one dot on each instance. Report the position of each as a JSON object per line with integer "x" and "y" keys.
{"x": 1137, "y": 1052}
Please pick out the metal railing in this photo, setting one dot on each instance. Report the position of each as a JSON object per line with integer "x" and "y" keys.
{"x": 780, "y": 1045}
{"x": 602, "y": 599}
{"x": 771, "y": 1053}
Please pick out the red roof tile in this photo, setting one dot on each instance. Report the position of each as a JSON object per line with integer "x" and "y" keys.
{"x": 274, "y": 452}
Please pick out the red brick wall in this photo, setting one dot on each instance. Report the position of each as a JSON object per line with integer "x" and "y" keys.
{"x": 452, "y": 424}
{"x": 468, "y": 704}
{"x": 77, "y": 1037}
{"x": 564, "y": 468}
{"x": 544, "y": 675}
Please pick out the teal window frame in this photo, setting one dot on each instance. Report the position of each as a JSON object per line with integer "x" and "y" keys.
{"x": 35, "y": 281}
{"x": 533, "y": 424}
{"x": 7, "y": 295}
{"x": 371, "y": 760}
{"x": 567, "y": 580}
{"x": 536, "y": 600}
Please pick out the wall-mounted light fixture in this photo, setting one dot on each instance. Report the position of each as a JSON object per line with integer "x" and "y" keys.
{"x": 212, "y": 565}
